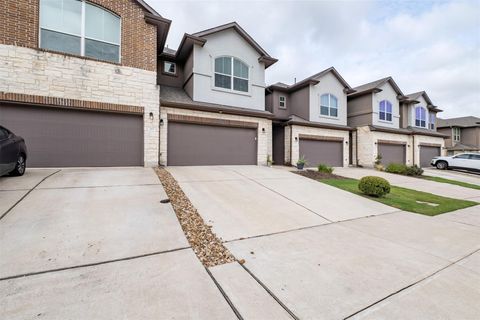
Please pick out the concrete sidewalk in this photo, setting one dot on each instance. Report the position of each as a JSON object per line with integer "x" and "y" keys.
{"x": 441, "y": 189}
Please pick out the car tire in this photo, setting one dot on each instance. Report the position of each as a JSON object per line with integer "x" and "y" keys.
{"x": 442, "y": 165}
{"x": 20, "y": 166}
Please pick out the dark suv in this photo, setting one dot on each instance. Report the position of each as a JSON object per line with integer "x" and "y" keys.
{"x": 13, "y": 153}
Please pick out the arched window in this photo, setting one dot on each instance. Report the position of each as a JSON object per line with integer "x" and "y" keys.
{"x": 81, "y": 28}
{"x": 231, "y": 73}
{"x": 328, "y": 105}
{"x": 420, "y": 117}
{"x": 385, "y": 110}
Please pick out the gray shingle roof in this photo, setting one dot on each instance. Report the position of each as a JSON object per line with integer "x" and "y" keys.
{"x": 463, "y": 122}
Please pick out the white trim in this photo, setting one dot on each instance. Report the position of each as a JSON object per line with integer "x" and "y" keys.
{"x": 329, "y": 106}
{"x": 174, "y": 68}
{"x": 232, "y": 76}
{"x": 390, "y": 113}
{"x": 280, "y": 102}
{"x": 415, "y": 117}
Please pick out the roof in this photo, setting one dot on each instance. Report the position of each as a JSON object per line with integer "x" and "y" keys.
{"x": 463, "y": 147}
{"x": 374, "y": 86}
{"x": 311, "y": 80}
{"x": 296, "y": 120}
{"x": 427, "y": 132}
{"x": 413, "y": 98}
{"x": 178, "y": 98}
{"x": 464, "y": 122}
{"x": 408, "y": 131}
{"x": 198, "y": 37}
{"x": 145, "y": 6}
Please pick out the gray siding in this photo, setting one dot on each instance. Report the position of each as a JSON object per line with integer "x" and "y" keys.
{"x": 164, "y": 79}
{"x": 300, "y": 103}
{"x": 359, "y": 111}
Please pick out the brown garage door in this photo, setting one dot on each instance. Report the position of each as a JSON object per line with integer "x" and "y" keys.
{"x": 392, "y": 153}
{"x": 427, "y": 153}
{"x": 198, "y": 145}
{"x": 72, "y": 138}
{"x": 322, "y": 152}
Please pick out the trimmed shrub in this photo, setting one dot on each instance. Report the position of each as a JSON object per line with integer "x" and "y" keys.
{"x": 397, "y": 168}
{"x": 374, "y": 186}
{"x": 414, "y": 171}
{"x": 324, "y": 168}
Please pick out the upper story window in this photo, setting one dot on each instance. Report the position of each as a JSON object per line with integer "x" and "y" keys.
{"x": 282, "y": 102}
{"x": 169, "y": 67}
{"x": 231, "y": 74}
{"x": 385, "y": 110}
{"x": 420, "y": 117}
{"x": 431, "y": 121}
{"x": 80, "y": 28}
{"x": 456, "y": 134}
{"x": 329, "y": 105}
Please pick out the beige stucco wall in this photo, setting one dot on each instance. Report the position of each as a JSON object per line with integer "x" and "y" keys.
{"x": 29, "y": 71}
{"x": 368, "y": 141}
{"x": 295, "y": 146}
{"x": 264, "y": 142}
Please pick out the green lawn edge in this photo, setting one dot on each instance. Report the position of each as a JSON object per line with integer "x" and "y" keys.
{"x": 454, "y": 182}
{"x": 405, "y": 199}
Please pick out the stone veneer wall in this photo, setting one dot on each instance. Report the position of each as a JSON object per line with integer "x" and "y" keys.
{"x": 264, "y": 142}
{"x": 297, "y": 130}
{"x": 419, "y": 139}
{"x": 288, "y": 156}
{"x": 30, "y": 71}
{"x": 368, "y": 148}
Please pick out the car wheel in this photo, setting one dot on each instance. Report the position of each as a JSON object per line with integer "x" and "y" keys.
{"x": 20, "y": 166}
{"x": 442, "y": 165}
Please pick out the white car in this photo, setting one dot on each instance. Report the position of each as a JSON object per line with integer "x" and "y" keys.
{"x": 466, "y": 161}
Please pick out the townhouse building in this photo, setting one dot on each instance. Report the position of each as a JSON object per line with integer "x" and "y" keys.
{"x": 311, "y": 120}
{"x": 463, "y": 134}
{"x": 390, "y": 125}
{"x": 78, "y": 80}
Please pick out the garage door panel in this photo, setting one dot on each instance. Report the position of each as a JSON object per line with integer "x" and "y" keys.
{"x": 72, "y": 138}
{"x": 392, "y": 153}
{"x": 322, "y": 152}
{"x": 427, "y": 153}
{"x": 195, "y": 144}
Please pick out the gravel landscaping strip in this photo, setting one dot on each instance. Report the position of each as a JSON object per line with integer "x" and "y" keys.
{"x": 206, "y": 245}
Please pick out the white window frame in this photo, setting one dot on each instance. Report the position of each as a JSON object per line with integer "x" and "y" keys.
{"x": 330, "y": 95}
{"x": 456, "y": 133}
{"x": 284, "y": 102}
{"x": 82, "y": 32}
{"x": 232, "y": 76}
{"x": 174, "y": 68}
{"x": 426, "y": 117}
{"x": 385, "y": 112}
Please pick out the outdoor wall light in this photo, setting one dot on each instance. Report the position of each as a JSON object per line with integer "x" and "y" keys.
{"x": 346, "y": 142}
{"x": 161, "y": 122}
{"x": 408, "y": 146}
{"x": 263, "y": 130}
{"x": 296, "y": 138}
{"x": 151, "y": 115}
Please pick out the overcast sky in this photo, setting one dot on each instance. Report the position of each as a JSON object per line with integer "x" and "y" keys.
{"x": 424, "y": 45}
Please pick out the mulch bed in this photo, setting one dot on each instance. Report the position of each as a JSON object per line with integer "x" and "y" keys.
{"x": 316, "y": 175}
{"x": 206, "y": 245}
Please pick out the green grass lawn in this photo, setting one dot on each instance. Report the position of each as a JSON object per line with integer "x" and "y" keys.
{"x": 405, "y": 199}
{"x": 455, "y": 182}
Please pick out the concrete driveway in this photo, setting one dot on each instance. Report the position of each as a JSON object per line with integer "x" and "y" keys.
{"x": 468, "y": 177}
{"x": 97, "y": 244}
{"x": 248, "y": 201}
{"x": 441, "y": 189}
{"x": 315, "y": 252}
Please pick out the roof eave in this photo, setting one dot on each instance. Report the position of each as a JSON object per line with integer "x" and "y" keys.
{"x": 163, "y": 26}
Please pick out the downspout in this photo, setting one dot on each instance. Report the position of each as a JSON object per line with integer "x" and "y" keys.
{"x": 356, "y": 147}
{"x": 413, "y": 151}
{"x": 291, "y": 145}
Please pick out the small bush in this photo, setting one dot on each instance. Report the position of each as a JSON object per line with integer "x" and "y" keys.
{"x": 374, "y": 186}
{"x": 414, "y": 171}
{"x": 397, "y": 168}
{"x": 324, "y": 168}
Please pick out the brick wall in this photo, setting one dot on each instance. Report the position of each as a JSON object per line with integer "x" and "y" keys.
{"x": 19, "y": 25}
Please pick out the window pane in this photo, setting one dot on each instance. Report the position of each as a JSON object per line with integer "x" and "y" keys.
{"x": 333, "y": 101}
{"x": 333, "y": 112}
{"x": 60, "y": 42}
{"x": 417, "y": 122}
{"x": 324, "y": 111}
{"x": 61, "y": 15}
{"x": 101, "y": 24}
{"x": 389, "y": 107}
{"x": 240, "y": 69}
{"x": 240, "y": 84}
{"x": 382, "y": 115}
{"x": 102, "y": 50}
{"x": 324, "y": 100}
{"x": 389, "y": 117}
{"x": 382, "y": 106}
{"x": 169, "y": 67}
{"x": 422, "y": 123}
{"x": 222, "y": 81}
{"x": 223, "y": 65}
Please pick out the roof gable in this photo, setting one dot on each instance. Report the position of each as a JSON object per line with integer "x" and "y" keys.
{"x": 375, "y": 86}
